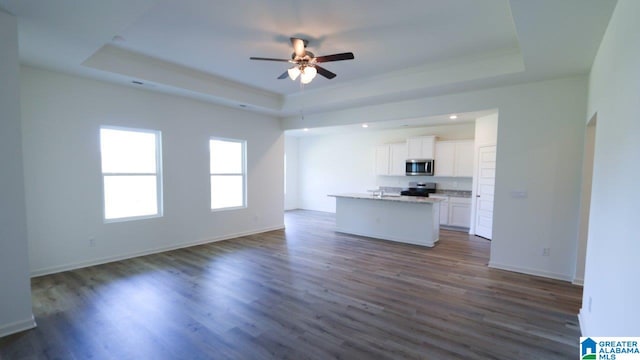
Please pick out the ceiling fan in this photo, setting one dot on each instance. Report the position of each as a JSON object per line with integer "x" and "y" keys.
{"x": 306, "y": 63}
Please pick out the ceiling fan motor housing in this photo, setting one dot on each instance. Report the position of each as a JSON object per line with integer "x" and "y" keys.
{"x": 308, "y": 57}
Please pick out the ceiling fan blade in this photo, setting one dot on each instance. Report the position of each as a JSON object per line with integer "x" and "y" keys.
{"x": 284, "y": 75}
{"x": 335, "y": 57}
{"x": 298, "y": 46}
{"x": 324, "y": 72}
{"x": 268, "y": 59}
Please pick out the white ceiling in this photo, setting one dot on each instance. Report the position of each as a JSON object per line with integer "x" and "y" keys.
{"x": 403, "y": 49}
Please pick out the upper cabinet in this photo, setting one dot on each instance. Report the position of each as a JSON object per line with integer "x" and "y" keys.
{"x": 464, "y": 158}
{"x": 397, "y": 158}
{"x": 445, "y": 157}
{"x": 390, "y": 159}
{"x": 382, "y": 159}
{"x": 422, "y": 147}
{"x": 454, "y": 158}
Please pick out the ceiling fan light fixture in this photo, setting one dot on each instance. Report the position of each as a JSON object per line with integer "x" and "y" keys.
{"x": 304, "y": 62}
{"x": 294, "y": 72}
{"x": 307, "y": 74}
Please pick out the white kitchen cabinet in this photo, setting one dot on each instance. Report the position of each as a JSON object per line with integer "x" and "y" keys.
{"x": 397, "y": 159}
{"x": 422, "y": 147}
{"x": 454, "y": 211}
{"x": 391, "y": 158}
{"x": 460, "y": 211}
{"x": 464, "y": 158}
{"x": 454, "y": 158}
{"x": 445, "y": 158}
{"x": 444, "y": 208}
{"x": 382, "y": 160}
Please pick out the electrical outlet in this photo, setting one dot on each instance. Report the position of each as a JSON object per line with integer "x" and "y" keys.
{"x": 589, "y": 304}
{"x": 546, "y": 251}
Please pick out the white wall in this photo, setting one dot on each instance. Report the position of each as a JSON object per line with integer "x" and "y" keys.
{"x": 486, "y": 130}
{"x": 61, "y": 119}
{"x": 540, "y": 144}
{"x": 611, "y": 289}
{"x": 330, "y": 164}
{"x": 486, "y": 135}
{"x": 15, "y": 287}
{"x": 291, "y": 180}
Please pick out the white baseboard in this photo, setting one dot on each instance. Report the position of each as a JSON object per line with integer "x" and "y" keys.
{"x": 583, "y": 323}
{"x": 529, "y": 271}
{"x": 17, "y": 326}
{"x": 108, "y": 259}
{"x": 578, "y": 281}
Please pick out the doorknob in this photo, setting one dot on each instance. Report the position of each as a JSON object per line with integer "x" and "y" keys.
{"x": 477, "y": 195}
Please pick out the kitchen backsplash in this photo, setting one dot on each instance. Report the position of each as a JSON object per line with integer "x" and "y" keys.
{"x": 444, "y": 183}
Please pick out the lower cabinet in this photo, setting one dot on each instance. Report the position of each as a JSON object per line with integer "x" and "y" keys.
{"x": 460, "y": 211}
{"x": 454, "y": 211}
{"x": 444, "y": 208}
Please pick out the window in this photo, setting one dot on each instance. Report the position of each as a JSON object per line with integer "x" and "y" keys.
{"x": 131, "y": 173}
{"x": 228, "y": 173}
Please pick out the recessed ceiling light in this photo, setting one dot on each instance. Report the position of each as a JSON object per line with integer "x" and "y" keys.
{"x": 453, "y": 117}
{"x": 305, "y": 129}
{"x": 365, "y": 126}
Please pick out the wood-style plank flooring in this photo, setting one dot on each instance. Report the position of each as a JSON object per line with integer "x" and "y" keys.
{"x": 304, "y": 293}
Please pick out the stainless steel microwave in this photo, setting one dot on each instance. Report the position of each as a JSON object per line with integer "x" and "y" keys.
{"x": 419, "y": 167}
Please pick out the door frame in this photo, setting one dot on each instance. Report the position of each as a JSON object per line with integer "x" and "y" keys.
{"x": 476, "y": 179}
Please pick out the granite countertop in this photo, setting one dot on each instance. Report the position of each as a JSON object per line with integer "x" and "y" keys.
{"x": 387, "y": 197}
{"x": 443, "y": 192}
{"x": 454, "y": 193}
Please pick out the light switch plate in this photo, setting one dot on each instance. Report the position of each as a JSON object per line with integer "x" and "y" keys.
{"x": 519, "y": 194}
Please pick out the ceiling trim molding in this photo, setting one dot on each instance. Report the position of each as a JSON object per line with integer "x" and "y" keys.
{"x": 418, "y": 78}
{"x": 182, "y": 79}
{"x": 194, "y": 83}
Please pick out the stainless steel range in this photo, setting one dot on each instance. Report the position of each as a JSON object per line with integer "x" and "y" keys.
{"x": 419, "y": 189}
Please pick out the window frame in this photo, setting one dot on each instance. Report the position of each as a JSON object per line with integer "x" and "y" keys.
{"x": 157, "y": 174}
{"x": 243, "y": 144}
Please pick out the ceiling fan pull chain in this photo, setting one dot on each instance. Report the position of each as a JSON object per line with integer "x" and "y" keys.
{"x": 302, "y": 101}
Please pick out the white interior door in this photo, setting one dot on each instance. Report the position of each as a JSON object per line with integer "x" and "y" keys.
{"x": 485, "y": 190}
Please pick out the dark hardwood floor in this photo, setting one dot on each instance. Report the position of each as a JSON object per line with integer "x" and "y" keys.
{"x": 307, "y": 292}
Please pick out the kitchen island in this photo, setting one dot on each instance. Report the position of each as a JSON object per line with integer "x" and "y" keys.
{"x": 407, "y": 219}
